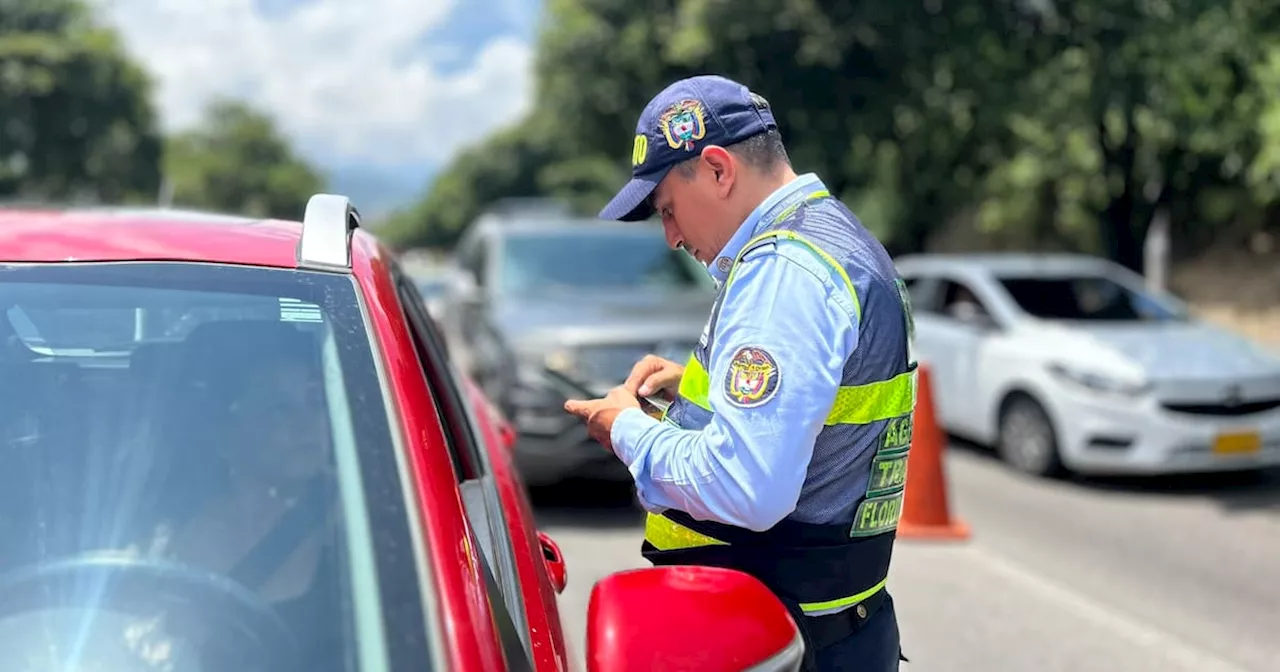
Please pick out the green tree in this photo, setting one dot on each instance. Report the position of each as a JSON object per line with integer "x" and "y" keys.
{"x": 1066, "y": 122}
{"x": 867, "y": 94}
{"x": 237, "y": 161}
{"x": 1138, "y": 106}
{"x": 77, "y": 120}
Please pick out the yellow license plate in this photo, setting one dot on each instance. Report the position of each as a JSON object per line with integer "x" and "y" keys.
{"x": 1238, "y": 443}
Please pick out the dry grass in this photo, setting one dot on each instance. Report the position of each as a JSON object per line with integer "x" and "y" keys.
{"x": 1236, "y": 289}
{"x": 1259, "y": 324}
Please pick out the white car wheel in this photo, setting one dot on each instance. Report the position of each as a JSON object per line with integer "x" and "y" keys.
{"x": 1027, "y": 439}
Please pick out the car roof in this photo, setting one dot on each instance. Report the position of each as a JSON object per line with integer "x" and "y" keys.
{"x": 1001, "y": 263}
{"x": 54, "y": 234}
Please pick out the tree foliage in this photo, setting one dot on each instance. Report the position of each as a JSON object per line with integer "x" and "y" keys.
{"x": 1134, "y": 106}
{"x": 77, "y": 124}
{"x": 238, "y": 162}
{"x": 77, "y": 119}
{"x": 1067, "y": 123}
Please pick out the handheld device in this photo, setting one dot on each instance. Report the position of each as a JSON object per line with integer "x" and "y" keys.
{"x": 653, "y": 406}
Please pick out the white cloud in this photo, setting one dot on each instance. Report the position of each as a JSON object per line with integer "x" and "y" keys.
{"x": 349, "y": 80}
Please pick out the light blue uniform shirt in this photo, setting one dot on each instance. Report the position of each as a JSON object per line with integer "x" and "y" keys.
{"x": 747, "y": 466}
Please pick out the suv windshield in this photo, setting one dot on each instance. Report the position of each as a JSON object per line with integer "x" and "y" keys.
{"x": 607, "y": 258}
{"x": 196, "y": 458}
{"x": 1086, "y": 297}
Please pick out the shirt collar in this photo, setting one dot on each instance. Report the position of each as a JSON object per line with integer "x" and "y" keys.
{"x": 719, "y": 269}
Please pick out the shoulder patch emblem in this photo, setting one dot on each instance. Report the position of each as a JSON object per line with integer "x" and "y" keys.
{"x": 753, "y": 377}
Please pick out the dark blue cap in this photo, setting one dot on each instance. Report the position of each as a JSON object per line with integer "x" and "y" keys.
{"x": 685, "y": 117}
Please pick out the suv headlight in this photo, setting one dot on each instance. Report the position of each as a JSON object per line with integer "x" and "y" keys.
{"x": 561, "y": 360}
{"x": 1098, "y": 382}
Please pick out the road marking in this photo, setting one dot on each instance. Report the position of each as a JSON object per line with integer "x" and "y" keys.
{"x": 1173, "y": 648}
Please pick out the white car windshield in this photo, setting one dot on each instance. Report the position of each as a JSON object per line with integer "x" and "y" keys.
{"x": 1086, "y": 297}
{"x": 198, "y": 474}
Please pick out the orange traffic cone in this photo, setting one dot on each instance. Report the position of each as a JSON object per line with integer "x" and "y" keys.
{"x": 926, "y": 513}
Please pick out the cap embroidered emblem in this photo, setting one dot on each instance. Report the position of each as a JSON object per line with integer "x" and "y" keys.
{"x": 683, "y": 123}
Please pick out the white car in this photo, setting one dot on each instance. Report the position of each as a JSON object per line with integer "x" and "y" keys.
{"x": 1067, "y": 362}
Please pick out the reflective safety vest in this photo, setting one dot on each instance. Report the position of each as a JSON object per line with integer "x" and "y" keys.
{"x": 832, "y": 553}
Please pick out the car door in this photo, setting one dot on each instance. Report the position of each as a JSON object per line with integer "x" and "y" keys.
{"x": 960, "y": 321}
{"x": 477, "y": 484}
{"x": 930, "y": 345}
{"x": 534, "y": 556}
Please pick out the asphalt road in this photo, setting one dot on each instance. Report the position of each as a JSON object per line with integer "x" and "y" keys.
{"x": 1130, "y": 575}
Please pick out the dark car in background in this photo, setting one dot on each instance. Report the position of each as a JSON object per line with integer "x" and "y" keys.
{"x": 551, "y": 307}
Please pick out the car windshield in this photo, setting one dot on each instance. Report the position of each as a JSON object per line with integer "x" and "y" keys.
{"x": 1086, "y": 297}
{"x": 196, "y": 460}
{"x": 607, "y": 258}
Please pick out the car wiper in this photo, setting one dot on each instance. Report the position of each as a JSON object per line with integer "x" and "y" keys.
{"x": 569, "y": 387}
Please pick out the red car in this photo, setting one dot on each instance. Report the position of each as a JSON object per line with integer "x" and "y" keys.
{"x": 232, "y": 444}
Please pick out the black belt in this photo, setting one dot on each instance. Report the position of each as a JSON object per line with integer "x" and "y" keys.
{"x": 831, "y": 628}
{"x": 823, "y": 631}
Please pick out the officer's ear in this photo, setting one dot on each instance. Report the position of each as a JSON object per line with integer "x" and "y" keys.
{"x": 722, "y": 166}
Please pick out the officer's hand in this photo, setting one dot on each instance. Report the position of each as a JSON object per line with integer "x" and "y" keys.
{"x": 600, "y": 413}
{"x": 654, "y": 375}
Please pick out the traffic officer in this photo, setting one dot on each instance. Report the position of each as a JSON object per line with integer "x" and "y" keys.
{"x": 784, "y": 451}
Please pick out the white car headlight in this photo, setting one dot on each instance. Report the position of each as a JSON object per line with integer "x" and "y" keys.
{"x": 1098, "y": 382}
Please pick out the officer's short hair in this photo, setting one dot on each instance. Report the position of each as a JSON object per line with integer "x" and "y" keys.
{"x": 762, "y": 151}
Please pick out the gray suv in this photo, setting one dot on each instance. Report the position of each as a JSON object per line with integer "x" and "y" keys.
{"x": 551, "y": 307}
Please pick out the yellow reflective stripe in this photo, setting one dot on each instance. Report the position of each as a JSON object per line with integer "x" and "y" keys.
{"x": 668, "y": 535}
{"x": 695, "y": 384}
{"x": 812, "y": 607}
{"x": 881, "y": 400}
{"x": 788, "y": 211}
{"x": 792, "y": 235}
{"x": 854, "y": 404}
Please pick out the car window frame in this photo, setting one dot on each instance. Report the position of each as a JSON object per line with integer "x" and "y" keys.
{"x": 477, "y": 485}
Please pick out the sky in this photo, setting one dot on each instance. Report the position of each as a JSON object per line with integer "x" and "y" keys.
{"x": 379, "y": 94}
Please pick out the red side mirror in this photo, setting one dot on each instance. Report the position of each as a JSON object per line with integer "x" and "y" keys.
{"x": 689, "y": 618}
{"x": 554, "y": 560}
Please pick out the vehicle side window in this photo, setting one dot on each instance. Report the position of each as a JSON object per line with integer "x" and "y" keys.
{"x": 959, "y": 301}
{"x": 472, "y": 258}
{"x": 922, "y": 291}
{"x": 480, "y": 265}
{"x": 479, "y": 492}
